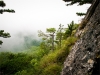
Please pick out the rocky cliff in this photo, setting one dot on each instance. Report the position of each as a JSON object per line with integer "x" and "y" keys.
{"x": 84, "y": 58}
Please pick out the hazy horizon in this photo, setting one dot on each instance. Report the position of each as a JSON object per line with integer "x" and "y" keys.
{"x": 33, "y": 15}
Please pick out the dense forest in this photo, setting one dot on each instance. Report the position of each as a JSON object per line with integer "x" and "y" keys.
{"x": 43, "y": 57}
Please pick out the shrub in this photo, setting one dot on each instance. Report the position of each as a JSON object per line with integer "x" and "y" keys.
{"x": 53, "y": 69}
{"x": 55, "y": 58}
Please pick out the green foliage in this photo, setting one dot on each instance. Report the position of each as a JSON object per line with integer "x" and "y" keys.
{"x": 29, "y": 42}
{"x": 69, "y": 31}
{"x": 40, "y": 53}
{"x": 59, "y": 35}
{"x": 48, "y": 39}
{"x": 56, "y": 57}
{"x": 2, "y": 34}
{"x": 23, "y": 72}
{"x": 12, "y": 63}
{"x": 39, "y": 60}
{"x": 50, "y": 30}
{"x": 36, "y": 63}
{"x": 52, "y": 69}
{"x": 51, "y": 40}
{"x": 45, "y": 46}
{"x": 1, "y": 42}
{"x": 41, "y": 34}
{"x": 80, "y": 2}
{"x": 80, "y": 14}
{"x": 6, "y": 10}
{"x": 70, "y": 28}
{"x": 71, "y": 40}
{"x": 30, "y": 50}
{"x": 2, "y": 4}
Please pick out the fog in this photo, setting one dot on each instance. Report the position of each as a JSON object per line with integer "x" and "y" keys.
{"x": 19, "y": 41}
{"x": 33, "y": 15}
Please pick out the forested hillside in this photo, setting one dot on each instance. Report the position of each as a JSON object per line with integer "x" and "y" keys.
{"x": 67, "y": 50}
{"x": 44, "y": 59}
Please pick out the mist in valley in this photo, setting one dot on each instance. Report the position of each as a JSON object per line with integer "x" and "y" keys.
{"x": 31, "y": 16}
{"x": 20, "y": 41}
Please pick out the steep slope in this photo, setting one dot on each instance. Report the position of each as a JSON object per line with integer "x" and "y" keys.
{"x": 84, "y": 57}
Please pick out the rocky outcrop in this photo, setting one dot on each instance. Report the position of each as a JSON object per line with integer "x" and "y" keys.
{"x": 84, "y": 57}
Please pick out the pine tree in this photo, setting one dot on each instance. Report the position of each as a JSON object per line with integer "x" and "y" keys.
{"x": 2, "y": 4}
{"x": 59, "y": 34}
{"x": 80, "y": 2}
{"x": 69, "y": 30}
{"x": 48, "y": 37}
{"x": 2, "y": 34}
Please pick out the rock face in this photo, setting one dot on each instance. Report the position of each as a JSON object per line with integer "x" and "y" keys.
{"x": 83, "y": 58}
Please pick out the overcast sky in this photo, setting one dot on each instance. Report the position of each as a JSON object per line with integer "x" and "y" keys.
{"x": 34, "y": 15}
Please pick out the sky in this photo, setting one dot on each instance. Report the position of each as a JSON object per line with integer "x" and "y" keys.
{"x": 33, "y": 15}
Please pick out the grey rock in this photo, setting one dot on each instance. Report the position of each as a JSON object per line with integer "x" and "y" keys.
{"x": 83, "y": 54}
